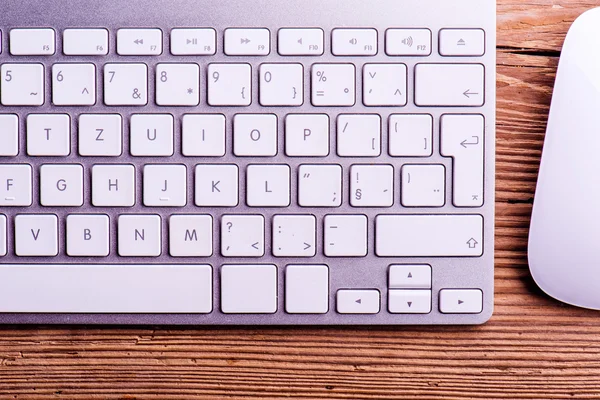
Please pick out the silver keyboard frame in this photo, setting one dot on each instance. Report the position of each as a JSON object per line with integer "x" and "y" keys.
{"x": 359, "y": 273}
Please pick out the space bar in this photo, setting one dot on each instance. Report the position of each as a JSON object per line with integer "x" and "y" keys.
{"x": 37, "y": 288}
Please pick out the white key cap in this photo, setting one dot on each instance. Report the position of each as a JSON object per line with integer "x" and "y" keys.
{"x": 88, "y": 235}
{"x": 307, "y": 135}
{"x": 411, "y": 135}
{"x": 268, "y": 185}
{"x": 359, "y": 135}
{"x": 15, "y": 185}
{"x": 320, "y": 186}
{"x": 151, "y": 135}
{"x": 36, "y": 235}
{"x": 32, "y": 42}
{"x": 371, "y": 185}
{"x": 139, "y": 42}
{"x": 408, "y": 42}
{"x": 247, "y": 42}
{"x": 190, "y": 236}
{"x": 423, "y": 185}
{"x": 3, "y": 236}
{"x": 22, "y": 84}
{"x": 125, "y": 84}
{"x": 281, "y": 84}
{"x": 451, "y": 85}
{"x": 345, "y": 235}
{"x": 229, "y": 84}
{"x": 354, "y": 42}
{"x": 85, "y": 42}
{"x": 462, "y": 42}
{"x": 74, "y": 84}
{"x": 177, "y": 84}
{"x": 300, "y": 41}
{"x": 429, "y": 235}
{"x": 461, "y": 301}
{"x": 203, "y": 135}
{"x": 139, "y": 235}
{"x": 216, "y": 185}
{"x": 333, "y": 85}
{"x": 463, "y": 139}
{"x": 165, "y": 185}
{"x": 350, "y": 301}
{"x": 255, "y": 135}
{"x": 384, "y": 85}
{"x": 106, "y": 289}
{"x": 294, "y": 235}
{"x": 9, "y": 135}
{"x": 61, "y": 185}
{"x": 410, "y": 276}
{"x": 249, "y": 289}
{"x": 242, "y": 235}
{"x": 100, "y": 135}
{"x": 409, "y": 301}
{"x": 306, "y": 289}
{"x": 113, "y": 185}
{"x": 48, "y": 135}
{"x": 193, "y": 42}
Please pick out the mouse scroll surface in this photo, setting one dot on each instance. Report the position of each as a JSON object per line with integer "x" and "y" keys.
{"x": 564, "y": 241}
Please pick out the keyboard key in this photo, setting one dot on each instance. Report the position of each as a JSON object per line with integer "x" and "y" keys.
{"x": 409, "y": 301}
{"x": 411, "y": 135}
{"x": 281, "y": 85}
{"x": 384, "y": 85}
{"x": 300, "y": 41}
{"x": 48, "y": 135}
{"x": 22, "y": 84}
{"x": 193, "y": 41}
{"x": 190, "y": 236}
{"x": 203, "y": 135}
{"x": 61, "y": 185}
{"x": 165, "y": 185}
{"x": 307, "y": 135}
{"x": 359, "y": 135}
{"x": 268, "y": 185}
{"x": 216, "y": 185}
{"x": 36, "y": 235}
{"x": 151, "y": 135}
{"x": 125, "y": 84}
{"x": 429, "y": 235}
{"x": 229, "y": 84}
{"x": 423, "y": 185}
{"x": 139, "y": 235}
{"x": 307, "y": 289}
{"x": 113, "y": 185}
{"x": 15, "y": 185}
{"x": 247, "y": 42}
{"x": 249, "y": 289}
{"x": 132, "y": 289}
{"x": 100, "y": 135}
{"x": 333, "y": 85}
{"x": 242, "y": 235}
{"x": 32, "y": 42}
{"x": 351, "y": 301}
{"x": 408, "y": 42}
{"x": 294, "y": 235}
{"x": 354, "y": 42}
{"x": 74, "y": 84}
{"x": 9, "y": 135}
{"x": 320, "y": 185}
{"x": 462, "y": 42}
{"x": 139, "y": 42}
{"x": 410, "y": 276}
{"x": 177, "y": 84}
{"x": 255, "y": 135}
{"x": 450, "y": 85}
{"x": 3, "y": 236}
{"x": 88, "y": 235}
{"x": 345, "y": 235}
{"x": 462, "y": 138}
{"x": 371, "y": 186}
{"x": 85, "y": 42}
{"x": 461, "y": 301}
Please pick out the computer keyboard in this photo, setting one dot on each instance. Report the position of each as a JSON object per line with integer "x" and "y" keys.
{"x": 247, "y": 162}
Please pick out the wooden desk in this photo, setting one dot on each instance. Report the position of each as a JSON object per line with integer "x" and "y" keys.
{"x": 533, "y": 347}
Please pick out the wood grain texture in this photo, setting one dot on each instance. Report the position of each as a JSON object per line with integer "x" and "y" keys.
{"x": 533, "y": 348}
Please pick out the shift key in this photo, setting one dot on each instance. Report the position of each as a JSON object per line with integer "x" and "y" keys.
{"x": 449, "y": 85}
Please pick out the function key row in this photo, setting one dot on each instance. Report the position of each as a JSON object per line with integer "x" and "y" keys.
{"x": 249, "y": 42}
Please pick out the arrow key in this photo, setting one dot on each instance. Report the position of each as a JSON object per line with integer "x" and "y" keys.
{"x": 452, "y": 85}
{"x": 409, "y": 301}
{"x": 410, "y": 276}
{"x": 461, "y": 301}
{"x": 350, "y": 301}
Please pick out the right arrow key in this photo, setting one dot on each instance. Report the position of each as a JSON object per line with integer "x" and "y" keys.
{"x": 449, "y": 85}
{"x": 461, "y": 301}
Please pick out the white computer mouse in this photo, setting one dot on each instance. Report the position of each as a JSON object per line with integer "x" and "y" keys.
{"x": 564, "y": 239}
